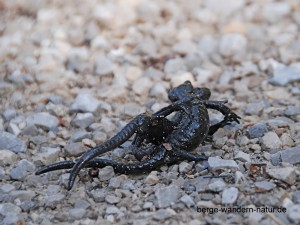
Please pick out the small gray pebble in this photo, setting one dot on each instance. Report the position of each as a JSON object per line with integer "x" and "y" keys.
{"x": 22, "y": 195}
{"x": 77, "y": 58}
{"x": 275, "y": 11}
{"x": 159, "y": 91}
{"x": 142, "y": 86}
{"x": 294, "y": 213}
{"x": 223, "y": 9}
{"x": 82, "y": 204}
{"x": 119, "y": 152}
{"x": 166, "y": 196}
{"x": 111, "y": 199}
{"x": 2, "y": 173}
{"x": 207, "y": 196}
{"x": 47, "y": 155}
{"x": 256, "y": 131}
{"x": 132, "y": 109}
{"x": 148, "y": 205}
{"x": 276, "y": 159}
{"x": 216, "y": 163}
{"x": 286, "y": 140}
{"x": 6, "y": 188}
{"x": 254, "y": 108}
{"x": 43, "y": 120}
{"x": 98, "y": 195}
{"x": 104, "y": 66}
{"x": 242, "y": 156}
{"x": 30, "y": 130}
{"x": 13, "y": 129}
{"x": 9, "y": 114}
{"x": 77, "y": 213}
{"x": 220, "y": 142}
{"x": 99, "y": 137}
{"x": 146, "y": 47}
{"x": 8, "y": 157}
{"x": 128, "y": 185}
{"x": 233, "y": 44}
{"x": 53, "y": 200}
{"x": 27, "y": 205}
{"x": 296, "y": 197}
{"x": 53, "y": 189}
{"x": 230, "y": 195}
{"x": 83, "y": 120}
{"x": 280, "y": 121}
{"x": 292, "y": 110}
{"x": 112, "y": 210}
{"x": 85, "y": 103}
{"x": 201, "y": 184}
{"x": 151, "y": 179}
{"x": 163, "y": 214}
{"x": 199, "y": 167}
{"x": 184, "y": 47}
{"x": 38, "y": 140}
{"x": 216, "y": 185}
{"x": 174, "y": 66}
{"x": 188, "y": 188}
{"x": 155, "y": 74}
{"x": 106, "y": 173}
{"x": 291, "y": 155}
{"x": 75, "y": 149}
{"x": 55, "y": 99}
{"x": 6, "y": 208}
{"x": 264, "y": 185}
{"x": 185, "y": 167}
{"x": 11, "y": 142}
{"x": 270, "y": 141}
{"x": 284, "y": 75}
{"x": 12, "y": 219}
{"x": 187, "y": 200}
{"x": 79, "y": 135}
{"x": 23, "y": 168}
{"x": 20, "y": 78}
{"x": 207, "y": 44}
{"x": 242, "y": 140}
{"x": 286, "y": 174}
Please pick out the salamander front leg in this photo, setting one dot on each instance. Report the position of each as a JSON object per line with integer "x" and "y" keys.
{"x": 221, "y": 107}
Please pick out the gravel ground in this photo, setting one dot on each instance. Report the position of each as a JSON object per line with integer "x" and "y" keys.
{"x": 73, "y": 73}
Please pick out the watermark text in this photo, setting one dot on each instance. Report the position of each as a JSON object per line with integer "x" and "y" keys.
{"x": 265, "y": 209}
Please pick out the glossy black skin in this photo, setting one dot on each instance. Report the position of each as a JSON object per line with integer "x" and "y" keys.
{"x": 160, "y": 140}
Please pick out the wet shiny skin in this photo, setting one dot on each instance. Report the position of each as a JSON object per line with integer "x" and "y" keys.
{"x": 160, "y": 140}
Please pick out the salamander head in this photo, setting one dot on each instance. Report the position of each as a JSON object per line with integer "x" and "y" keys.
{"x": 202, "y": 93}
{"x": 181, "y": 91}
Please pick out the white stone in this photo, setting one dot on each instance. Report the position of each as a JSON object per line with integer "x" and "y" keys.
{"x": 230, "y": 195}
{"x": 216, "y": 163}
{"x": 233, "y": 44}
{"x": 133, "y": 73}
{"x": 271, "y": 141}
{"x": 7, "y": 157}
{"x": 242, "y": 156}
{"x": 286, "y": 174}
{"x": 142, "y": 86}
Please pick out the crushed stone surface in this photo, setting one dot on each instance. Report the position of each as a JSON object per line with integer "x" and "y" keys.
{"x": 74, "y": 73}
